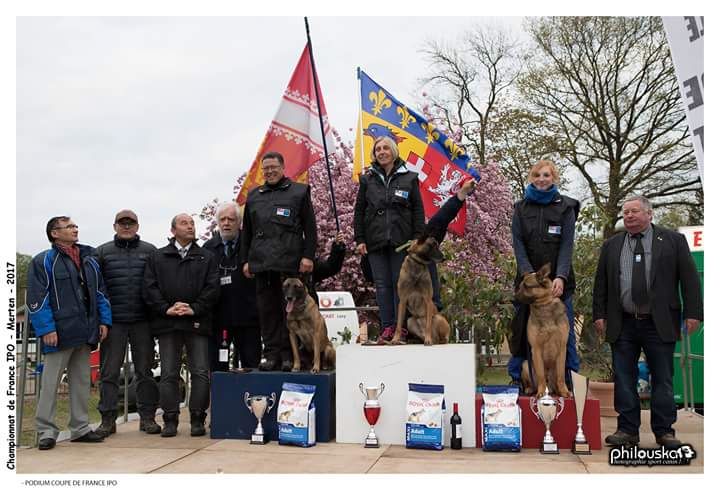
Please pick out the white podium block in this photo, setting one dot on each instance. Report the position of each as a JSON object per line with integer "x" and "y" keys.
{"x": 450, "y": 365}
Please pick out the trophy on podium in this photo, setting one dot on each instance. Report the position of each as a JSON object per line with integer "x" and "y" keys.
{"x": 580, "y": 389}
{"x": 546, "y": 409}
{"x": 371, "y": 408}
{"x": 259, "y": 405}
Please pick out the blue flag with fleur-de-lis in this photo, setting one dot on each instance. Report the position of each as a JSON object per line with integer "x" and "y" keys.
{"x": 441, "y": 164}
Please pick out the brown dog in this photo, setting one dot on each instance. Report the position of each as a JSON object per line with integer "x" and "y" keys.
{"x": 415, "y": 292}
{"x": 306, "y": 327}
{"x": 547, "y": 333}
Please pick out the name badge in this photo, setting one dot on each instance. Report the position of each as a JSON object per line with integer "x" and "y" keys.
{"x": 196, "y": 324}
{"x": 282, "y": 212}
{"x": 401, "y": 193}
{"x": 225, "y": 280}
{"x": 638, "y": 258}
{"x": 555, "y": 229}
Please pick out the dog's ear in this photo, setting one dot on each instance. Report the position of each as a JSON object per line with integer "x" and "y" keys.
{"x": 543, "y": 272}
{"x": 435, "y": 254}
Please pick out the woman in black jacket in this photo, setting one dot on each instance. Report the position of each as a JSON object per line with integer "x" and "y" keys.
{"x": 543, "y": 231}
{"x": 388, "y": 213}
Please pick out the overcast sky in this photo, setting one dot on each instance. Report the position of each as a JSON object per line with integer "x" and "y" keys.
{"x": 162, "y": 114}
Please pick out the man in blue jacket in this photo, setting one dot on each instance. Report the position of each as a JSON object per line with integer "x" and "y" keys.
{"x": 71, "y": 313}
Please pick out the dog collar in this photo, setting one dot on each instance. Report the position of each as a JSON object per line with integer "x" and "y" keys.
{"x": 418, "y": 260}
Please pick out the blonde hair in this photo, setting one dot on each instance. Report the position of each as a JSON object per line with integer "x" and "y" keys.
{"x": 542, "y": 164}
{"x": 393, "y": 147}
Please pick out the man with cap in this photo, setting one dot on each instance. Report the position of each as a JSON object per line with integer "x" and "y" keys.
{"x": 122, "y": 262}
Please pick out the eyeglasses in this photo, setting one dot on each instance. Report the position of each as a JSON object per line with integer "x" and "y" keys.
{"x": 126, "y": 224}
{"x": 66, "y": 227}
{"x": 271, "y": 168}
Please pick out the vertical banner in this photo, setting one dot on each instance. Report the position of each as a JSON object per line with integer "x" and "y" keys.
{"x": 295, "y": 130}
{"x": 686, "y": 38}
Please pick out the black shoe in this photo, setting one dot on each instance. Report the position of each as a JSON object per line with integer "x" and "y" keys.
{"x": 46, "y": 443}
{"x": 90, "y": 437}
{"x": 286, "y": 366}
{"x": 668, "y": 440}
{"x": 197, "y": 424}
{"x": 149, "y": 426}
{"x": 107, "y": 426}
{"x": 268, "y": 365}
{"x": 171, "y": 424}
{"x": 620, "y": 438}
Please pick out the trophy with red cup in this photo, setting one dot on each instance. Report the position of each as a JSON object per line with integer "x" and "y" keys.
{"x": 371, "y": 408}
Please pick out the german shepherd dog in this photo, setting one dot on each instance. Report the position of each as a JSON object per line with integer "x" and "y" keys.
{"x": 306, "y": 327}
{"x": 547, "y": 333}
{"x": 415, "y": 292}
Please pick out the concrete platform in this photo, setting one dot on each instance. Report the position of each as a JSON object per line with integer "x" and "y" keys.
{"x": 134, "y": 452}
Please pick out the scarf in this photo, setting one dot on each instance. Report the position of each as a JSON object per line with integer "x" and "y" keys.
{"x": 73, "y": 252}
{"x": 533, "y": 194}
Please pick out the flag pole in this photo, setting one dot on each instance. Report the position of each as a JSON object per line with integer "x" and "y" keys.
{"x": 322, "y": 127}
{"x": 362, "y": 145}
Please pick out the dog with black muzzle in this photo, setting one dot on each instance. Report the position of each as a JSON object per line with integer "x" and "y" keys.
{"x": 306, "y": 327}
{"x": 415, "y": 294}
{"x": 547, "y": 334}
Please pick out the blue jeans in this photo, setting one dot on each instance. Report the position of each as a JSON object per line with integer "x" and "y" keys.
{"x": 385, "y": 265}
{"x": 636, "y": 335}
{"x": 171, "y": 347}
{"x": 572, "y": 360}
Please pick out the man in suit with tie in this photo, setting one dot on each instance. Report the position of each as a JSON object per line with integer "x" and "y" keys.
{"x": 641, "y": 276}
{"x": 236, "y": 312}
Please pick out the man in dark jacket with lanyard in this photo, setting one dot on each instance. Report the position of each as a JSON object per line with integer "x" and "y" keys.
{"x": 122, "y": 262}
{"x": 70, "y": 312}
{"x": 236, "y": 313}
{"x": 279, "y": 239}
{"x": 641, "y": 276}
{"x": 181, "y": 289}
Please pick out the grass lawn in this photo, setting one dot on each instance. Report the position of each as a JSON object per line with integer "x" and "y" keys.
{"x": 62, "y": 415}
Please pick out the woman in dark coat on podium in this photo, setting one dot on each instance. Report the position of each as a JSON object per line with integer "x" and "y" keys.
{"x": 543, "y": 230}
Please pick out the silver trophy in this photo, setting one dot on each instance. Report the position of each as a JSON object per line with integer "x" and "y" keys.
{"x": 547, "y": 409}
{"x": 371, "y": 409}
{"x": 580, "y": 389}
{"x": 259, "y": 405}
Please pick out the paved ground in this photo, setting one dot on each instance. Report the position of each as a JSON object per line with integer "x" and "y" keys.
{"x": 131, "y": 451}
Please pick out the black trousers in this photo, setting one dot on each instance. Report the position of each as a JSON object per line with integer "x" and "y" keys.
{"x": 171, "y": 348}
{"x": 634, "y": 336}
{"x": 271, "y": 310}
{"x": 112, "y": 356}
{"x": 246, "y": 343}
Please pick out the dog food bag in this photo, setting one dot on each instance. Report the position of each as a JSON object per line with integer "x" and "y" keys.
{"x": 424, "y": 426}
{"x": 500, "y": 419}
{"x": 296, "y": 415}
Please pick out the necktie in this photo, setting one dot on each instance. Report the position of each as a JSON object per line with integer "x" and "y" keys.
{"x": 229, "y": 249}
{"x": 639, "y": 283}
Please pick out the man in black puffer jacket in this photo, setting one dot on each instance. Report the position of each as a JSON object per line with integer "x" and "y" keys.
{"x": 122, "y": 262}
{"x": 181, "y": 288}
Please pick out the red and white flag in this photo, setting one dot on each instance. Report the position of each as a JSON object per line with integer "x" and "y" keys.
{"x": 295, "y": 129}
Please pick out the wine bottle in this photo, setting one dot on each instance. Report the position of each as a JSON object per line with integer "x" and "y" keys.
{"x": 456, "y": 424}
{"x": 224, "y": 354}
